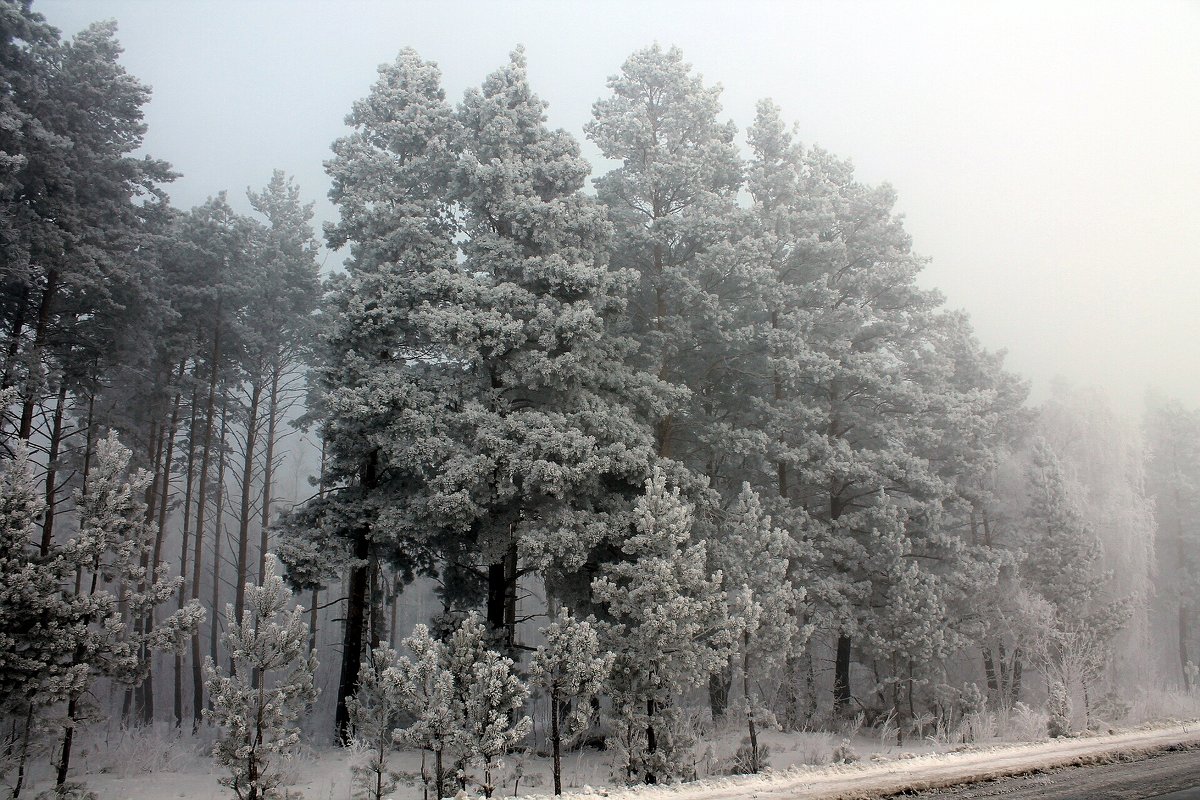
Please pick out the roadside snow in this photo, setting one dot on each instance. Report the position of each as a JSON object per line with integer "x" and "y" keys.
{"x": 843, "y": 782}
{"x": 325, "y": 774}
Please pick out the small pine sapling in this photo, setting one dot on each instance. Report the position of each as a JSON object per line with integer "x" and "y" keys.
{"x": 755, "y": 558}
{"x": 429, "y": 698}
{"x": 374, "y": 712}
{"x": 487, "y": 697}
{"x": 670, "y": 630}
{"x": 570, "y": 667}
{"x": 256, "y": 714}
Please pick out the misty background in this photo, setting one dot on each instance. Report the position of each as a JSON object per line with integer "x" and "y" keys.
{"x": 1044, "y": 154}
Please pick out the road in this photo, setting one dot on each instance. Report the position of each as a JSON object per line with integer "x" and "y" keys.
{"x": 1171, "y": 775}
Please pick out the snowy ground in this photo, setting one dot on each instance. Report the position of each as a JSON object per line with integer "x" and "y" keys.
{"x": 154, "y": 769}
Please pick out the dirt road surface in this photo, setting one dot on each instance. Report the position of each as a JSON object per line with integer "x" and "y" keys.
{"x": 1169, "y": 775}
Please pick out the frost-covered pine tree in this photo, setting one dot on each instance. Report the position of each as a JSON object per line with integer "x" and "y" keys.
{"x": 374, "y": 714}
{"x": 669, "y": 628}
{"x": 112, "y": 589}
{"x": 376, "y": 385}
{"x": 491, "y": 725}
{"x": 256, "y": 706}
{"x": 429, "y": 699}
{"x": 33, "y": 653}
{"x": 487, "y": 696}
{"x": 1063, "y": 566}
{"x": 755, "y": 559}
{"x": 570, "y": 668}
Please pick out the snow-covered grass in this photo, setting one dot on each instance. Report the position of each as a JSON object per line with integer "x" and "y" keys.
{"x": 148, "y": 764}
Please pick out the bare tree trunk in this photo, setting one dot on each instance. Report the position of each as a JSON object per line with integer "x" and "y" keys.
{"x": 841, "y": 676}
{"x": 39, "y": 341}
{"x": 201, "y": 504}
{"x": 264, "y": 543}
{"x": 243, "y": 567}
{"x": 356, "y": 601}
{"x": 214, "y": 636}
{"x": 183, "y": 551}
{"x": 164, "y": 503}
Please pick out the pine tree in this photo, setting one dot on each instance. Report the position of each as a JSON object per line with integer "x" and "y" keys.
{"x": 374, "y": 714}
{"x": 481, "y": 419}
{"x": 571, "y": 669}
{"x": 390, "y": 178}
{"x": 254, "y": 710}
{"x": 111, "y": 549}
{"x": 1063, "y": 567}
{"x": 429, "y": 698}
{"x": 491, "y": 727}
{"x": 1173, "y": 432}
{"x": 34, "y": 655}
{"x": 672, "y": 204}
{"x": 755, "y": 561}
{"x": 667, "y": 624}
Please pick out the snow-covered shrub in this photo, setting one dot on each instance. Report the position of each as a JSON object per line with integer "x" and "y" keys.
{"x": 1111, "y": 708}
{"x": 72, "y": 613}
{"x": 844, "y": 753}
{"x": 254, "y": 709}
{"x": 1058, "y": 706}
{"x": 491, "y": 727}
{"x": 746, "y": 760}
{"x": 464, "y": 699}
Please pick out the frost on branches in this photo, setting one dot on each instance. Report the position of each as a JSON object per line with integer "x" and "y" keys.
{"x": 669, "y": 629}
{"x": 570, "y": 668}
{"x": 1073, "y": 614}
{"x": 271, "y": 685}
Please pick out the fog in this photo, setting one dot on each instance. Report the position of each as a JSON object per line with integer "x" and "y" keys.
{"x": 1045, "y": 156}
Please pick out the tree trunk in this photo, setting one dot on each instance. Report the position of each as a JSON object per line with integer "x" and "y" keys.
{"x": 989, "y": 672}
{"x": 651, "y": 739}
{"x": 183, "y": 553}
{"x": 269, "y": 473}
{"x": 750, "y": 722}
{"x": 556, "y": 743}
{"x": 52, "y": 471}
{"x": 14, "y": 337}
{"x": 719, "y": 683}
{"x": 64, "y": 761}
{"x": 356, "y": 601}
{"x": 39, "y": 341}
{"x": 243, "y": 566}
{"x": 496, "y": 595}
{"x": 201, "y": 506}
{"x": 164, "y": 503}
{"x": 1015, "y": 680}
{"x": 841, "y": 677}
{"x": 214, "y": 636}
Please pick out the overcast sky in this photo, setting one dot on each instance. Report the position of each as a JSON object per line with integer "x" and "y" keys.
{"x": 1046, "y": 155}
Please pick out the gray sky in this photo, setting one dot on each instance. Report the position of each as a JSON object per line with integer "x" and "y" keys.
{"x": 1047, "y": 155}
